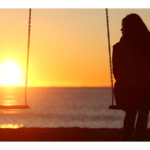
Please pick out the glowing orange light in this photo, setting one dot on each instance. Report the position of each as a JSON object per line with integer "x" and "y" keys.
{"x": 10, "y": 112}
{"x": 10, "y": 73}
{"x": 14, "y": 126}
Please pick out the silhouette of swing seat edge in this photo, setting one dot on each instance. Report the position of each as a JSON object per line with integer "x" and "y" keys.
{"x": 14, "y": 107}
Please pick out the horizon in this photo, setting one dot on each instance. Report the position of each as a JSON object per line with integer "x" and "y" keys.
{"x": 55, "y": 87}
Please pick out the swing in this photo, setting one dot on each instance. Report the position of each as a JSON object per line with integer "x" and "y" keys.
{"x": 110, "y": 64}
{"x": 25, "y": 106}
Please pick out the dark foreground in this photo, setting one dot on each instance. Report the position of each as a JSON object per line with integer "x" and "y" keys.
{"x": 62, "y": 134}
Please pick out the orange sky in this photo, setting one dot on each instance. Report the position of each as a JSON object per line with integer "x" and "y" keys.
{"x": 68, "y": 46}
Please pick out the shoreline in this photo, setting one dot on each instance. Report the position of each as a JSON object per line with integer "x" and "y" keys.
{"x": 35, "y": 134}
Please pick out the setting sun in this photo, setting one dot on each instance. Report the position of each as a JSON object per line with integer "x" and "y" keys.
{"x": 10, "y": 73}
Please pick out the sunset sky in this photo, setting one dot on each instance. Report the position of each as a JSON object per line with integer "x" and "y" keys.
{"x": 68, "y": 46}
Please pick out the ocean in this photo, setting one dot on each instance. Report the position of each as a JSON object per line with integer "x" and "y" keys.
{"x": 60, "y": 107}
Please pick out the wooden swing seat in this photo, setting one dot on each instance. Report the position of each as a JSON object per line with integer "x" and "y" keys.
{"x": 14, "y": 107}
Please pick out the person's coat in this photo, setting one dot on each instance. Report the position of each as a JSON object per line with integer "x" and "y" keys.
{"x": 131, "y": 68}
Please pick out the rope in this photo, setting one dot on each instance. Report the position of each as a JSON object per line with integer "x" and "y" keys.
{"x": 28, "y": 46}
{"x": 110, "y": 62}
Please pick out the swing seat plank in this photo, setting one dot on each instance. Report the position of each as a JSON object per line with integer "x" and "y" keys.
{"x": 14, "y": 107}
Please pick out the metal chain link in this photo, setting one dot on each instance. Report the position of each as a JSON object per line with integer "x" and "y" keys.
{"x": 28, "y": 46}
{"x": 110, "y": 61}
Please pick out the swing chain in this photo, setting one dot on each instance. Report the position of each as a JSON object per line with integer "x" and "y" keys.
{"x": 110, "y": 61}
{"x": 28, "y": 46}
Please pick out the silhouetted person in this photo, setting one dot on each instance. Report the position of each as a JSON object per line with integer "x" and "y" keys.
{"x": 131, "y": 69}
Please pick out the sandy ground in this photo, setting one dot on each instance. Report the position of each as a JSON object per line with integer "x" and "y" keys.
{"x": 62, "y": 134}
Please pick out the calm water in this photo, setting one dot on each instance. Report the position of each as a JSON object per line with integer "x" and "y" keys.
{"x": 60, "y": 107}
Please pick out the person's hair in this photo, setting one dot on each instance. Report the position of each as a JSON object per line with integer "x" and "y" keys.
{"x": 136, "y": 30}
{"x": 134, "y": 25}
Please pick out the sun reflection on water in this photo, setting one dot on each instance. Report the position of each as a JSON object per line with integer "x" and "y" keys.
{"x": 10, "y": 112}
{"x": 13, "y": 126}
{"x": 8, "y": 98}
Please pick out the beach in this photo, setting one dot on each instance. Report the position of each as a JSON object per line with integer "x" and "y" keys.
{"x": 62, "y": 134}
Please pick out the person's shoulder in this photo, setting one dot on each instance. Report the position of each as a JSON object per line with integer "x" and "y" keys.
{"x": 116, "y": 46}
{"x": 119, "y": 44}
